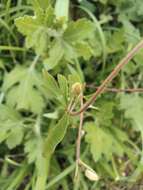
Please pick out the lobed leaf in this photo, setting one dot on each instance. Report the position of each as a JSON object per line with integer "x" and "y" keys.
{"x": 79, "y": 30}
{"x": 133, "y": 106}
{"x": 102, "y": 142}
{"x": 11, "y": 126}
{"x": 55, "y": 55}
{"x": 22, "y": 87}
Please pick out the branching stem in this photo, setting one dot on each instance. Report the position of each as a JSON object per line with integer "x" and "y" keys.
{"x": 111, "y": 76}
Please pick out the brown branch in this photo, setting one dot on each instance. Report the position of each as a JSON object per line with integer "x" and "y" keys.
{"x": 111, "y": 76}
{"x": 79, "y": 138}
{"x": 116, "y": 90}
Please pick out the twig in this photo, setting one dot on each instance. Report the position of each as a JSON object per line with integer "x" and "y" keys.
{"x": 79, "y": 138}
{"x": 111, "y": 76}
{"x": 116, "y": 90}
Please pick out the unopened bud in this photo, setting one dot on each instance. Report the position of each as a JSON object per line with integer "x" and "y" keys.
{"x": 82, "y": 133}
{"x": 76, "y": 88}
{"x": 123, "y": 174}
{"x": 91, "y": 175}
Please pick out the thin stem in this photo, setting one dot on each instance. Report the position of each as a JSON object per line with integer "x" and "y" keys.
{"x": 111, "y": 76}
{"x": 43, "y": 166}
{"x": 79, "y": 138}
{"x": 61, "y": 176}
{"x": 12, "y": 48}
{"x": 115, "y": 169}
{"x": 85, "y": 165}
{"x": 34, "y": 62}
{"x": 79, "y": 69}
{"x": 73, "y": 103}
{"x": 22, "y": 172}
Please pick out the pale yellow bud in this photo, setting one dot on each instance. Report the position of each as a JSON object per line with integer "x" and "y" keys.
{"x": 123, "y": 174}
{"x": 91, "y": 175}
{"x": 76, "y": 88}
{"x": 82, "y": 133}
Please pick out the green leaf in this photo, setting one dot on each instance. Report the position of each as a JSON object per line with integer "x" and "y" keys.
{"x": 79, "y": 30}
{"x": 51, "y": 86}
{"x": 84, "y": 50}
{"x": 132, "y": 34}
{"x": 138, "y": 59}
{"x": 55, "y": 55}
{"x": 63, "y": 84}
{"x": 40, "y": 3}
{"x": 35, "y": 29}
{"x": 27, "y": 24}
{"x": 133, "y": 106}
{"x": 131, "y": 9}
{"x": 115, "y": 41}
{"x": 38, "y": 41}
{"x": 55, "y": 135}
{"x": 44, "y": 3}
{"x": 69, "y": 52}
{"x": 30, "y": 150}
{"x": 11, "y": 126}
{"x": 22, "y": 87}
{"x": 15, "y": 137}
{"x": 102, "y": 142}
{"x": 105, "y": 114}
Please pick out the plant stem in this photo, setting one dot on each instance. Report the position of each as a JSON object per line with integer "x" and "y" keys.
{"x": 62, "y": 175}
{"x": 34, "y": 62}
{"x": 13, "y": 48}
{"x": 19, "y": 178}
{"x": 43, "y": 174}
{"x": 42, "y": 163}
{"x": 79, "y": 138}
{"x": 111, "y": 76}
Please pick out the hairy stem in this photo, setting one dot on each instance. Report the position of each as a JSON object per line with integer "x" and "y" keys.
{"x": 111, "y": 76}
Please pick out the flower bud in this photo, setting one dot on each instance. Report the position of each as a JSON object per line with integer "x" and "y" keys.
{"x": 82, "y": 133}
{"x": 76, "y": 88}
{"x": 91, "y": 175}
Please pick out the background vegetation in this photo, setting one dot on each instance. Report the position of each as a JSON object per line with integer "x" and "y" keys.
{"x": 52, "y": 52}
